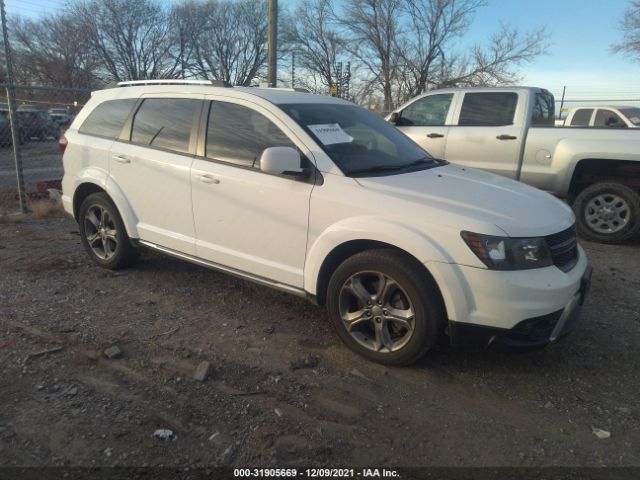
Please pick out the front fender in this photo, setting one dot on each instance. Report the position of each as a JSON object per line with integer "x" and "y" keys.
{"x": 412, "y": 241}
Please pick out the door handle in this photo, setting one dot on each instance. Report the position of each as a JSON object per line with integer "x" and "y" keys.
{"x": 435, "y": 135}
{"x": 506, "y": 137}
{"x": 121, "y": 159}
{"x": 204, "y": 178}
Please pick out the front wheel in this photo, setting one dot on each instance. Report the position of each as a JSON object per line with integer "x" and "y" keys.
{"x": 385, "y": 307}
{"x": 607, "y": 212}
{"x": 103, "y": 234}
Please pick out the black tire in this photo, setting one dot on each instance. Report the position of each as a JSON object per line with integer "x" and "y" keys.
{"x": 621, "y": 228}
{"x": 113, "y": 242}
{"x": 413, "y": 284}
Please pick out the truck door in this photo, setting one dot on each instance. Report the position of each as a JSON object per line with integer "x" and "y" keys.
{"x": 426, "y": 122}
{"x": 486, "y": 134}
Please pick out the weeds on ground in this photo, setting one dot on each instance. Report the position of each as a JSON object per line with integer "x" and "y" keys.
{"x": 46, "y": 207}
{"x": 9, "y": 206}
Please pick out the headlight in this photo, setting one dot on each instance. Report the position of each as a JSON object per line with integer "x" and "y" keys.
{"x": 504, "y": 253}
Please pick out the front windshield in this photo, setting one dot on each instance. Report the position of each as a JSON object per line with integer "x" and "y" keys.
{"x": 633, "y": 114}
{"x": 359, "y": 142}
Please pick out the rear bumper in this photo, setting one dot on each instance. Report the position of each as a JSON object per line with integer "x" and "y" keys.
{"x": 531, "y": 332}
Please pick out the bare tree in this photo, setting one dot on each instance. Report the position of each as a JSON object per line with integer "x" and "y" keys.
{"x": 630, "y": 26}
{"x": 316, "y": 42}
{"x": 233, "y": 45}
{"x": 373, "y": 29}
{"x": 131, "y": 39}
{"x": 495, "y": 63}
{"x": 52, "y": 51}
{"x": 434, "y": 23}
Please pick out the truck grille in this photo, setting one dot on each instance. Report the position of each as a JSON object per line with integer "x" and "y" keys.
{"x": 564, "y": 248}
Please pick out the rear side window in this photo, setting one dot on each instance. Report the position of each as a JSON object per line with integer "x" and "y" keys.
{"x": 239, "y": 135}
{"x": 165, "y": 123}
{"x": 543, "y": 110}
{"x": 107, "y": 119}
{"x": 581, "y": 117}
{"x": 488, "y": 109}
{"x": 429, "y": 111}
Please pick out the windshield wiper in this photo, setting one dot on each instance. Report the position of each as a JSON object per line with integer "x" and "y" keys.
{"x": 420, "y": 162}
{"x": 396, "y": 168}
{"x": 378, "y": 168}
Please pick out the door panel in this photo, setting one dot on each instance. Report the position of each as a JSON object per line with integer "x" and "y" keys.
{"x": 246, "y": 219}
{"x": 251, "y": 221}
{"x": 154, "y": 170}
{"x": 157, "y": 187}
{"x": 486, "y": 135}
{"x": 425, "y": 121}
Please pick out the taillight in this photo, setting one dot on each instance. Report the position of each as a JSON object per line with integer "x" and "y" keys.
{"x": 62, "y": 143}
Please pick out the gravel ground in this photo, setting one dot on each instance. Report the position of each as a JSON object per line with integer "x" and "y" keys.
{"x": 282, "y": 389}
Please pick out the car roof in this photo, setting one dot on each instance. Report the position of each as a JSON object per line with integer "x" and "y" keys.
{"x": 271, "y": 95}
{"x": 615, "y": 107}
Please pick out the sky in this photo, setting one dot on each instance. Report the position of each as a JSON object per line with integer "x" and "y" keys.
{"x": 581, "y": 33}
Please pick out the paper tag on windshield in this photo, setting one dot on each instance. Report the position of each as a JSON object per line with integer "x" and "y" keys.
{"x": 330, "y": 133}
{"x": 635, "y": 120}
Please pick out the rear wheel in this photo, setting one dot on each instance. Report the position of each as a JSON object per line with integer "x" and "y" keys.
{"x": 607, "y": 212}
{"x": 103, "y": 234}
{"x": 385, "y": 307}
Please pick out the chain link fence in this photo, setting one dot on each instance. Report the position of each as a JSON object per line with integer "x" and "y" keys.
{"x": 41, "y": 117}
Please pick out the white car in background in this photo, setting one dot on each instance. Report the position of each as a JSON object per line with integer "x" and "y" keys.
{"x": 603, "y": 117}
{"x": 320, "y": 198}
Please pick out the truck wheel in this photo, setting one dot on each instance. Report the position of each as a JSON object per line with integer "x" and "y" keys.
{"x": 384, "y": 307}
{"x": 103, "y": 234}
{"x": 607, "y": 212}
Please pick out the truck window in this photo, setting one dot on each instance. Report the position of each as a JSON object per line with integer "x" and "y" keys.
{"x": 543, "y": 109}
{"x": 430, "y": 111}
{"x": 633, "y": 114}
{"x": 608, "y": 119}
{"x": 488, "y": 109}
{"x": 581, "y": 117}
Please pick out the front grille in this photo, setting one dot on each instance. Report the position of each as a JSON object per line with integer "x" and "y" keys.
{"x": 564, "y": 248}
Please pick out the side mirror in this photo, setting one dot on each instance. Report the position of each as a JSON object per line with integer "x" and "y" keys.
{"x": 393, "y": 118}
{"x": 282, "y": 161}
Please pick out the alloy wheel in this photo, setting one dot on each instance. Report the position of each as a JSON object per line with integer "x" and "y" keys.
{"x": 376, "y": 311}
{"x": 100, "y": 232}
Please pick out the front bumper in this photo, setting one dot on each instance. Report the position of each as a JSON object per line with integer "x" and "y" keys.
{"x": 531, "y": 332}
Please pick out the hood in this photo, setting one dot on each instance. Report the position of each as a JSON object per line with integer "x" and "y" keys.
{"x": 515, "y": 208}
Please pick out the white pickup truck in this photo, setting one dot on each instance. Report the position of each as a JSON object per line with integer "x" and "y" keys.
{"x": 510, "y": 131}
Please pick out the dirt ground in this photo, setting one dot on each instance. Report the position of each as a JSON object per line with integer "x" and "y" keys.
{"x": 283, "y": 390}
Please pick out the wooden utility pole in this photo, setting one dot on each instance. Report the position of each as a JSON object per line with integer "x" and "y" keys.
{"x": 272, "y": 74}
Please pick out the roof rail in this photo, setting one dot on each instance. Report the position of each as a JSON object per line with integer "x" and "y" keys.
{"x": 284, "y": 89}
{"x": 213, "y": 83}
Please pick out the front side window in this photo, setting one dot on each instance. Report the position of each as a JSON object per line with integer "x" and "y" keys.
{"x": 360, "y": 143}
{"x": 429, "y": 111}
{"x": 165, "y": 123}
{"x": 107, "y": 119}
{"x": 239, "y": 135}
{"x": 543, "y": 109}
{"x": 608, "y": 119}
{"x": 490, "y": 109}
{"x": 581, "y": 117}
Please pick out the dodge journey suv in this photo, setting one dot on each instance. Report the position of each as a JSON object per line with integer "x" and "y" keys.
{"x": 320, "y": 198}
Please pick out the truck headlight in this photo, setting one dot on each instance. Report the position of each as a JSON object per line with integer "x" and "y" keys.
{"x": 505, "y": 253}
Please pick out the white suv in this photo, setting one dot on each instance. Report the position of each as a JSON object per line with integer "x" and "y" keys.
{"x": 321, "y": 198}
